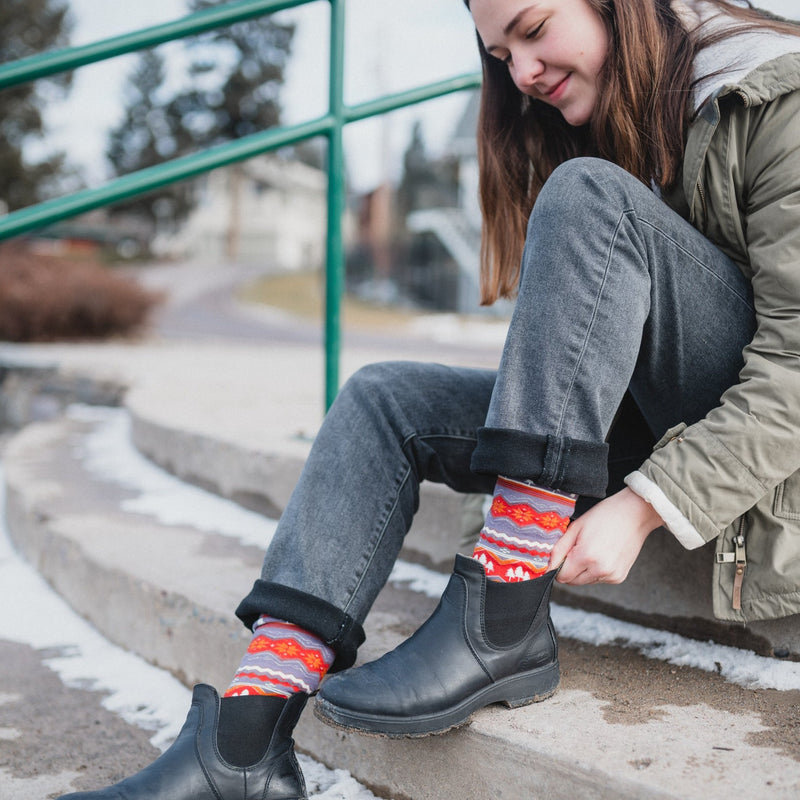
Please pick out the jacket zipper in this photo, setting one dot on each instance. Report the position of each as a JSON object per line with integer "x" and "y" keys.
{"x": 740, "y": 566}
{"x": 744, "y": 97}
{"x": 739, "y": 560}
{"x": 704, "y": 204}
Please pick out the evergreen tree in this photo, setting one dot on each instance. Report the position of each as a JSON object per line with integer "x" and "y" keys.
{"x": 148, "y": 134}
{"x": 234, "y": 81}
{"x": 426, "y": 182}
{"x": 28, "y": 27}
{"x": 242, "y": 67}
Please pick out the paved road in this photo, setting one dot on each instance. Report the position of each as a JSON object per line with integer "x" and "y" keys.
{"x": 201, "y": 304}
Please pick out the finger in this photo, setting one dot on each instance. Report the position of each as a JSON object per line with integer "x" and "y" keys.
{"x": 562, "y": 547}
{"x": 571, "y": 569}
{"x": 580, "y": 577}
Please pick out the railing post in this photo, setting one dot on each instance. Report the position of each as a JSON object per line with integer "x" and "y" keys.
{"x": 334, "y": 268}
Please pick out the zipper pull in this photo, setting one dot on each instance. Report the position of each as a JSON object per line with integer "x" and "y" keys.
{"x": 740, "y": 564}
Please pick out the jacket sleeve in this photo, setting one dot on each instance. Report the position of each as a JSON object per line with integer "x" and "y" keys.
{"x": 715, "y": 470}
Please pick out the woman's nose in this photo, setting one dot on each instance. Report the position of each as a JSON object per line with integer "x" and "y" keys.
{"x": 526, "y": 70}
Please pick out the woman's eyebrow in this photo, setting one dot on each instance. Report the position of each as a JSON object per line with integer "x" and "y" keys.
{"x": 515, "y": 20}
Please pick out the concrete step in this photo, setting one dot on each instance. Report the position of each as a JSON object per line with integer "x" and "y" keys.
{"x": 621, "y": 726}
{"x": 220, "y": 417}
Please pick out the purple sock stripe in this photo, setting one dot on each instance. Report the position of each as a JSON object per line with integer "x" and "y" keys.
{"x": 257, "y": 675}
{"x": 269, "y": 662}
{"x": 523, "y": 536}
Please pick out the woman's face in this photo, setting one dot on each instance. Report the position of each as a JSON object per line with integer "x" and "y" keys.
{"x": 554, "y": 49}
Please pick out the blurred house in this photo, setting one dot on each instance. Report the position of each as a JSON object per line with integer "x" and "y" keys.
{"x": 268, "y": 211}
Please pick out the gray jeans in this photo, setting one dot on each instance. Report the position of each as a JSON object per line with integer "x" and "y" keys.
{"x": 627, "y": 321}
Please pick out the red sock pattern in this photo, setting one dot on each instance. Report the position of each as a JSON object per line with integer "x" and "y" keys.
{"x": 521, "y": 528}
{"x": 281, "y": 659}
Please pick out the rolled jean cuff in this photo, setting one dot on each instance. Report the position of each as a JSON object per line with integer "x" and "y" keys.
{"x": 557, "y": 462}
{"x": 338, "y": 630}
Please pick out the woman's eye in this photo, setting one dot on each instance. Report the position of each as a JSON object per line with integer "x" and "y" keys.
{"x": 532, "y": 34}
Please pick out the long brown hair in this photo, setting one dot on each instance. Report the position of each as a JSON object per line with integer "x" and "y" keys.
{"x": 640, "y": 122}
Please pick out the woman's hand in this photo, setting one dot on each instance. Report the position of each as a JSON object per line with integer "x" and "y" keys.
{"x": 601, "y": 545}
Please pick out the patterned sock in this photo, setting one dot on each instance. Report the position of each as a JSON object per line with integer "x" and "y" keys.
{"x": 281, "y": 659}
{"x": 523, "y": 524}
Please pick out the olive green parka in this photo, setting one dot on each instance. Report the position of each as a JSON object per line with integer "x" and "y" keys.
{"x": 734, "y": 477}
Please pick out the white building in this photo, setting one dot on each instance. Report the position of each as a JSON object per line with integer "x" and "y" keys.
{"x": 267, "y": 211}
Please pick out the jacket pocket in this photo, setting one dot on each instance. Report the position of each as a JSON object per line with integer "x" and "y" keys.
{"x": 786, "y": 503}
{"x": 671, "y": 435}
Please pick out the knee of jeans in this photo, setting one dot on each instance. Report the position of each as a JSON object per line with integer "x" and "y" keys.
{"x": 576, "y": 185}
{"x": 377, "y": 384}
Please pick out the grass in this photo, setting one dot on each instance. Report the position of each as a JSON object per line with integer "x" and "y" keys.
{"x": 302, "y": 294}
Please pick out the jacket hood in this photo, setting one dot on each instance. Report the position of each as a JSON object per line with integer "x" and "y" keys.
{"x": 748, "y": 62}
{"x": 769, "y": 80}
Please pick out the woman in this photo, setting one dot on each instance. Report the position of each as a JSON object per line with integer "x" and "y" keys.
{"x": 658, "y": 296}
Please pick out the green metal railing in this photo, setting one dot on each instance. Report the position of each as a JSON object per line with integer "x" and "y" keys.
{"x": 330, "y": 125}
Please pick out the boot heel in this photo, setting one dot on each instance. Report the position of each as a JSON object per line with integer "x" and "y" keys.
{"x": 532, "y": 687}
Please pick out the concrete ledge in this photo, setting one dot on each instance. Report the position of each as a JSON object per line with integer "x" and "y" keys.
{"x": 264, "y": 481}
{"x": 190, "y": 435}
{"x": 36, "y": 392}
{"x": 172, "y": 588}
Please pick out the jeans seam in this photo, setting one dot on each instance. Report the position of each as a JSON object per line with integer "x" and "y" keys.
{"x": 440, "y": 434}
{"x": 590, "y": 325}
{"x": 693, "y": 257}
{"x": 374, "y": 549}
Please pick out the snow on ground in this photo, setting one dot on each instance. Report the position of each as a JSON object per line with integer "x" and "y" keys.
{"x": 34, "y": 615}
{"x": 110, "y": 456}
{"x": 139, "y": 692}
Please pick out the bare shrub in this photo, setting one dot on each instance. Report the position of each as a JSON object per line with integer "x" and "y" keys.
{"x": 46, "y": 298}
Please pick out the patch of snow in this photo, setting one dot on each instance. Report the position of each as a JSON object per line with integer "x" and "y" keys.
{"x": 419, "y": 579}
{"x": 107, "y": 454}
{"x": 742, "y": 667}
{"x": 36, "y": 616}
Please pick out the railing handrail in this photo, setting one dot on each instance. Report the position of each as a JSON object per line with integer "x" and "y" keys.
{"x": 69, "y": 58}
{"x": 146, "y": 180}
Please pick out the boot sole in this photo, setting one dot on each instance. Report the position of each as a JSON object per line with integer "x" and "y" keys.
{"x": 515, "y": 691}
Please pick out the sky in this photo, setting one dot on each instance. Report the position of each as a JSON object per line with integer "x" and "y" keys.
{"x": 390, "y": 47}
